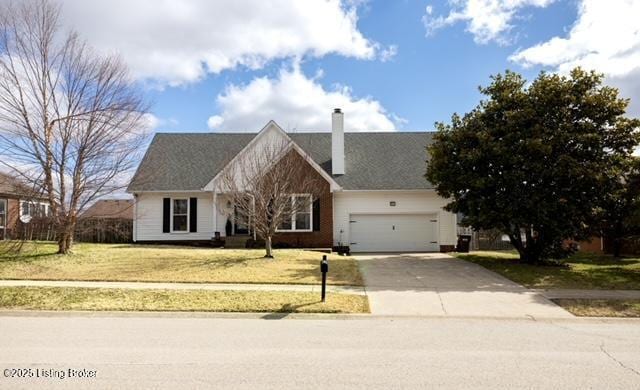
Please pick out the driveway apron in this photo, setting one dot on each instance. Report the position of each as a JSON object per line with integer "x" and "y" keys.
{"x": 435, "y": 284}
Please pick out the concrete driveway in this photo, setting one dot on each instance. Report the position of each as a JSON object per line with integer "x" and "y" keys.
{"x": 435, "y": 284}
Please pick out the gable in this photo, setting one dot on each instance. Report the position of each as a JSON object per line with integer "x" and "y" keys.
{"x": 272, "y": 136}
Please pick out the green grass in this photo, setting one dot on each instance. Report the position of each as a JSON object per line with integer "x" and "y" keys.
{"x": 148, "y": 263}
{"x": 107, "y": 299}
{"x": 582, "y": 271}
{"x": 601, "y": 307}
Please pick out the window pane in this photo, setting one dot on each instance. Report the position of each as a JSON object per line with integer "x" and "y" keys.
{"x": 303, "y": 221}
{"x": 180, "y": 223}
{"x": 25, "y": 208}
{"x": 287, "y": 205}
{"x": 1, "y": 220}
{"x": 2, "y": 206}
{"x": 286, "y": 224}
{"x": 303, "y": 203}
{"x": 180, "y": 206}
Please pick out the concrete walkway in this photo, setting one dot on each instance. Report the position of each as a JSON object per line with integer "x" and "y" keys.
{"x": 183, "y": 286}
{"x": 434, "y": 284}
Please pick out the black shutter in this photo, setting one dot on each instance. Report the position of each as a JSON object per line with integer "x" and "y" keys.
{"x": 193, "y": 215}
{"x": 316, "y": 215}
{"x": 166, "y": 215}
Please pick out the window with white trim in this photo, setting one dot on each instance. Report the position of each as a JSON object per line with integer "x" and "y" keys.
{"x": 301, "y": 219}
{"x": 180, "y": 215}
{"x": 30, "y": 209}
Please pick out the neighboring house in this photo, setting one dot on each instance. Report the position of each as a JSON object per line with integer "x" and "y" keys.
{"x": 110, "y": 209}
{"x": 106, "y": 221}
{"x": 375, "y": 196}
{"x": 18, "y": 204}
{"x": 594, "y": 245}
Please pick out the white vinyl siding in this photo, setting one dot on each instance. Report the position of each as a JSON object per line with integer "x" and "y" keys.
{"x": 347, "y": 203}
{"x": 148, "y": 217}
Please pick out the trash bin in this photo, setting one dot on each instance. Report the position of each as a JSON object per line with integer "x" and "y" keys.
{"x": 464, "y": 242}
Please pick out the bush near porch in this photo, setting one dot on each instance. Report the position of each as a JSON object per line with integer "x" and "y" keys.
{"x": 164, "y": 263}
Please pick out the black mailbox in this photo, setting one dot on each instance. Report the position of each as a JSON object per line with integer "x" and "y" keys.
{"x": 324, "y": 268}
{"x": 324, "y": 265}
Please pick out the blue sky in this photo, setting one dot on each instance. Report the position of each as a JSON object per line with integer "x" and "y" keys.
{"x": 426, "y": 81}
{"x": 391, "y": 65}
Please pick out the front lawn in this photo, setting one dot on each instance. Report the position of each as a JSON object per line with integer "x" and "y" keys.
{"x": 601, "y": 307}
{"x": 102, "y": 299}
{"x": 148, "y": 263}
{"x": 583, "y": 271}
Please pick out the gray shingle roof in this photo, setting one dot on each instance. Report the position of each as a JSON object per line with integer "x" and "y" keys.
{"x": 110, "y": 209}
{"x": 373, "y": 161}
{"x": 14, "y": 187}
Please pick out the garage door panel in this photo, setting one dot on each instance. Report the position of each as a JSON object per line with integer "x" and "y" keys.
{"x": 393, "y": 232}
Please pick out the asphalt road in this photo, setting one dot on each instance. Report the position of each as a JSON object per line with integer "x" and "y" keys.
{"x": 163, "y": 351}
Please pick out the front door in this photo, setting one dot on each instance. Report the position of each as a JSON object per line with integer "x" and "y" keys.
{"x": 241, "y": 225}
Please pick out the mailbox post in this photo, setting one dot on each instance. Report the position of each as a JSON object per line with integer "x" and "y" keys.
{"x": 324, "y": 268}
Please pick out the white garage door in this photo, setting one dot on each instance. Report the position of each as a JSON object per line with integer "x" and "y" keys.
{"x": 393, "y": 232}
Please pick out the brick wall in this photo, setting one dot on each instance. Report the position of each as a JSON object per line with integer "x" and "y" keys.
{"x": 593, "y": 246}
{"x": 13, "y": 217}
{"x": 13, "y": 213}
{"x": 318, "y": 239}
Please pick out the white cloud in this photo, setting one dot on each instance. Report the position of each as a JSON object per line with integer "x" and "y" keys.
{"x": 214, "y": 122}
{"x": 605, "y": 37}
{"x": 487, "y": 20}
{"x": 150, "y": 122}
{"x": 387, "y": 54}
{"x": 297, "y": 103}
{"x": 181, "y": 41}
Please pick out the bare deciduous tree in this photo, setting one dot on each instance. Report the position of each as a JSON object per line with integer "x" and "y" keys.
{"x": 260, "y": 183}
{"x": 71, "y": 120}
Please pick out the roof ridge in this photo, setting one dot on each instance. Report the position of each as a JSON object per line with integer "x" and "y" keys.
{"x": 302, "y": 132}
{"x": 202, "y": 133}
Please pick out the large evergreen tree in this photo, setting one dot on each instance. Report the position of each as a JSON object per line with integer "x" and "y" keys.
{"x": 619, "y": 215}
{"x": 535, "y": 160}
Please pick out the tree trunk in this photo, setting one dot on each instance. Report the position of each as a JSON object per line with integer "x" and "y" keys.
{"x": 65, "y": 241}
{"x": 529, "y": 251}
{"x": 618, "y": 235}
{"x": 617, "y": 247}
{"x": 268, "y": 248}
{"x": 530, "y": 255}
